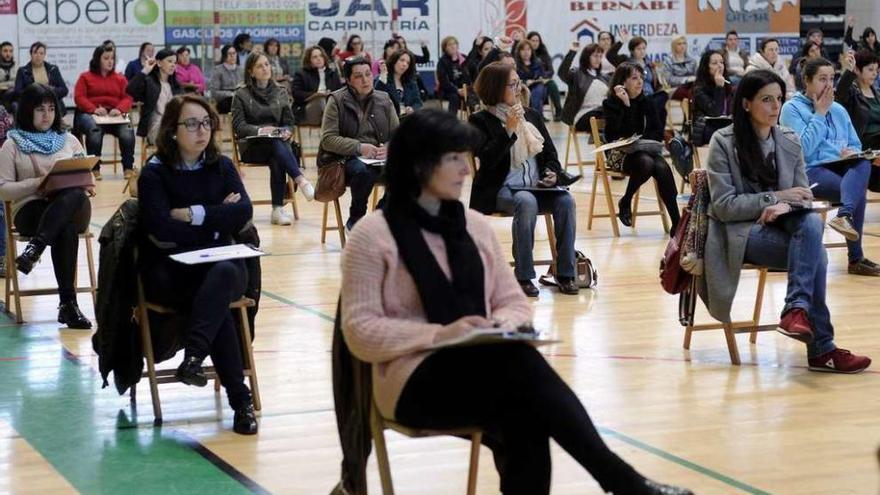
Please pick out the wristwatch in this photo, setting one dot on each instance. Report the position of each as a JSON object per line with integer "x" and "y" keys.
{"x": 770, "y": 198}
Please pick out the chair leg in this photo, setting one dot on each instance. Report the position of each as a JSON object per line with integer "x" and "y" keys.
{"x": 577, "y": 154}
{"x": 593, "y": 192}
{"x": 663, "y": 217}
{"x": 11, "y": 248}
{"x": 609, "y": 201}
{"x": 93, "y": 282}
{"x": 551, "y": 239}
{"x": 217, "y": 385}
{"x": 567, "y": 148}
{"x": 381, "y": 453}
{"x": 687, "y": 337}
{"x": 759, "y": 302}
{"x": 731, "y": 344}
{"x": 291, "y": 186}
{"x": 147, "y": 344}
{"x": 339, "y": 225}
{"x": 10, "y": 266}
{"x": 374, "y": 197}
{"x": 476, "y": 440}
{"x": 324, "y": 224}
{"x": 248, "y": 349}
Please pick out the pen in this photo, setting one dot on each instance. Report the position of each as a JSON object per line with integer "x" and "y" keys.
{"x": 814, "y": 185}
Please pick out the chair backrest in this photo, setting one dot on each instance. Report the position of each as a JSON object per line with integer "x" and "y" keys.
{"x": 596, "y": 128}
{"x": 686, "y": 111}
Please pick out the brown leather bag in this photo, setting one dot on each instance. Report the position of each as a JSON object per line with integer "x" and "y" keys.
{"x": 331, "y": 177}
{"x": 673, "y": 277}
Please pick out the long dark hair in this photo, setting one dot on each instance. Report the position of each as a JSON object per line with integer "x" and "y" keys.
{"x": 410, "y": 72}
{"x": 416, "y": 148}
{"x": 751, "y": 159}
{"x": 868, "y": 31}
{"x": 704, "y": 77}
{"x": 541, "y": 51}
{"x": 586, "y": 53}
{"x": 95, "y": 62}
{"x": 166, "y": 144}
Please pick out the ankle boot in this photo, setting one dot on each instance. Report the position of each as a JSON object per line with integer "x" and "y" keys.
{"x": 245, "y": 420}
{"x": 190, "y": 372}
{"x": 70, "y": 315}
{"x": 30, "y": 256}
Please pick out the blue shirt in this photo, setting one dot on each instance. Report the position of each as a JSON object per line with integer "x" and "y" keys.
{"x": 823, "y": 137}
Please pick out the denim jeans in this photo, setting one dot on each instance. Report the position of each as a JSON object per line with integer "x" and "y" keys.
{"x": 83, "y": 123}
{"x": 282, "y": 164}
{"x": 360, "y": 178}
{"x": 536, "y": 99}
{"x": 848, "y": 185}
{"x": 794, "y": 243}
{"x": 525, "y": 206}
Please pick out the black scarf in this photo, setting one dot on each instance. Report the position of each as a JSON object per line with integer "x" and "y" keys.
{"x": 7, "y": 68}
{"x": 444, "y": 301}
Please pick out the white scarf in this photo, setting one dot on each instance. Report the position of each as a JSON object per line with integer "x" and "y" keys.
{"x": 529, "y": 141}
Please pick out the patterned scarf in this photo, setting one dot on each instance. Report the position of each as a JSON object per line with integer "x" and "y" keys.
{"x": 529, "y": 140}
{"x": 43, "y": 143}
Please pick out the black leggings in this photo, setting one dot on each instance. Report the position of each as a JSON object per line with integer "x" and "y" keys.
{"x": 206, "y": 291}
{"x": 641, "y": 166}
{"x": 56, "y": 221}
{"x": 512, "y": 393}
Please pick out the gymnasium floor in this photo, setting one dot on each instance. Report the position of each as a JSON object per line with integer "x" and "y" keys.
{"x": 688, "y": 417}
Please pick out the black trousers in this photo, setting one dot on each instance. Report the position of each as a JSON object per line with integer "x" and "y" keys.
{"x": 206, "y": 291}
{"x": 56, "y": 221}
{"x": 512, "y": 393}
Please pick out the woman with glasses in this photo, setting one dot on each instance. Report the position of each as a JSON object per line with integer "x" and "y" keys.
{"x": 49, "y": 218}
{"x": 191, "y": 197}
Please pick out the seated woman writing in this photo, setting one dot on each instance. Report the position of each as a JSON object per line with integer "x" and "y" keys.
{"x": 262, "y": 107}
{"x": 191, "y": 197}
{"x": 49, "y": 218}
{"x": 757, "y": 215}
{"x": 517, "y": 157}
{"x": 424, "y": 270}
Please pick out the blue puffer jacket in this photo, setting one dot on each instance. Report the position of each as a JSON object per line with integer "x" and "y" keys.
{"x": 822, "y": 137}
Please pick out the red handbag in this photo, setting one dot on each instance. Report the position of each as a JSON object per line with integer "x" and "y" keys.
{"x": 673, "y": 278}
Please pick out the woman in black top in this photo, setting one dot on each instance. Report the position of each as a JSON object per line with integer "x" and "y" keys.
{"x": 712, "y": 97}
{"x": 627, "y": 112}
{"x": 38, "y": 66}
{"x": 482, "y": 46}
{"x": 452, "y": 74}
{"x": 192, "y": 198}
{"x": 154, "y": 86}
{"x": 543, "y": 55}
{"x": 317, "y": 77}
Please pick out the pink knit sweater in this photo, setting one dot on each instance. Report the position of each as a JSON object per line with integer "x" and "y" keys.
{"x": 382, "y": 316}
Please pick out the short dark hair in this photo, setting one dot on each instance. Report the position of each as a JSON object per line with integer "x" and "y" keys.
{"x": 492, "y": 82}
{"x": 182, "y": 49}
{"x": 269, "y": 42}
{"x": 33, "y": 96}
{"x": 410, "y": 71}
{"x": 307, "y": 57}
{"x": 813, "y": 31}
{"x": 636, "y": 41}
{"x": 416, "y": 148}
{"x": 865, "y": 58}
{"x": 805, "y": 50}
{"x": 605, "y": 32}
{"x": 351, "y": 63}
{"x": 6, "y": 43}
{"x": 225, "y": 51}
{"x": 350, "y": 44}
{"x": 143, "y": 47}
{"x": 239, "y": 40}
{"x": 95, "y": 62}
{"x": 766, "y": 42}
{"x": 166, "y": 144}
{"x": 621, "y": 74}
{"x": 390, "y": 43}
{"x": 36, "y": 46}
{"x": 813, "y": 66}
{"x": 733, "y": 32}
{"x": 586, "y": 53}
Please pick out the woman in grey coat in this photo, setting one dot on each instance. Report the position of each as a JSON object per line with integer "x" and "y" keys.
{"x": 760, "y": 214}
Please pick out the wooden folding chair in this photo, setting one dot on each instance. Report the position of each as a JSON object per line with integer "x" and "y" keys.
{"x": 340, "y": 226}
{"x": 290, "y": 193}
{"x": 573, "y": 139}
{"x": 378, "y": 425}
{"x": 464, "y": 113}
{"x": 299, "y": 139}
{"x": 115, "y": 161}
{"x": 752, "y": 326}
{"x": 601, "y": 173}
{"x": 14, "y": 293}
{"x": 156, "y": 377}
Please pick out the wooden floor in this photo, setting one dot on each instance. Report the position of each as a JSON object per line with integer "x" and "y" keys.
{"x": 688, "y": 417}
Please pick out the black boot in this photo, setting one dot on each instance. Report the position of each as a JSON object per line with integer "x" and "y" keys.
{"x": 70, "y": 315}
{"x": 190, "y": 372}
{"x": 30, "y": 256}
{"x": 624, "y": 211}
{"x": 245, "y": 421}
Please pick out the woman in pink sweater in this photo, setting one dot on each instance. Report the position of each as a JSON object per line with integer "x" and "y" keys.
{"x": 425, "y": 270}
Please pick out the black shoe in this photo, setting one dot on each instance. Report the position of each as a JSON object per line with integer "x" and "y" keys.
{"x": 70, "y": 315}
{"x": 245, "y": 421}
{"x": 566, "y": 179}
{"x": 567, "y": 285}
{"x": 29, "y": 257}
{"x": 528, "y": 288}
{"x": 624, "y": 212}
{"x": 190, "y": 372}
{"x": 653, "y": 488}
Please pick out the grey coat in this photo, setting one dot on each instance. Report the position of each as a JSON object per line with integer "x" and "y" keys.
{"x": 736, "y": 203}
{"x": 224, "y": 81}
{"x": 677, "y": 73}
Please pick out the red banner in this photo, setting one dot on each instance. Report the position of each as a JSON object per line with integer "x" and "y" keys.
{"x": 8, "y": 7}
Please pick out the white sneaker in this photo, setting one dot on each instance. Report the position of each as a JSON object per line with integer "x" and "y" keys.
{"x": 307, "y": 189}
{"x": 279, "y": 217}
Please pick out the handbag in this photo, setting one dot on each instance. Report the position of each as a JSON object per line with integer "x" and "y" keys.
{"x": 586, "y": 276}
{"x": 331, "y": 177}
{"x": 673, "y": 278}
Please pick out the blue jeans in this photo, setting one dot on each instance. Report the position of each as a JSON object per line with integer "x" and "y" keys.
{"x": 525, "y": 206}
{"x": 848, "y": 185}
{"x": 794, "y": 243}
{"x": 282, "y": 162}
{"x": 536, "y": 99}
{"x": 83, "y": 123}
{"x": 360, "y": 178}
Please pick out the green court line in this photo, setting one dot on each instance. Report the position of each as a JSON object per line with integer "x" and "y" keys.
{"x": 57, "y": 405}
{"x": 606, "y": 431}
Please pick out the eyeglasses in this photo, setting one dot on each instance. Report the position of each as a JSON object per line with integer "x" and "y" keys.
{"x": 192, "y": 125}
{"x": 515, "y": 84}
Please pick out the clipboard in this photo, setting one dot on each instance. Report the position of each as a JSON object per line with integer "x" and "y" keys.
{"x": 538, "y": 188}
{"x": 75, "y": 164}
{"x": 620, "y": 143}
{"x": 215, "y": 254}
{"x": 69, "y": 172}
{"x": 483, "y": 336}
{"x": 108, "y": 120}
{"x": 869, "y": 155}
{"x": 372, "y": 162}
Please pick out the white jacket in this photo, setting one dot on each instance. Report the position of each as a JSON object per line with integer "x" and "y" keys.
{"x": 757, "y": 61}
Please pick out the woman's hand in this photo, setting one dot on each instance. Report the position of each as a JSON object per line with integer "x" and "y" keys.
{"x": 771, "y": 213}
{"x": 460, "y": 327}
{"x": 549, "y": 179}
{"x": 845, "y": 152}
{"x": 148, "y": 65}
{"x": 115, "y": 112}
{"x": 182, "y": 214}
{"x": 514, "y": 117}
{"x": 822, "y": 102}
{"x": 232, "y": 198}
{"x": 90, "y": 190}
{"x": 719, "y": 78}
{"x": 575, "y": 45}
{"x": 794, "y": 195}
{"x": 621, "y": 93}
{"x": 101, "y": 112}
{"x": 368, "y": 150}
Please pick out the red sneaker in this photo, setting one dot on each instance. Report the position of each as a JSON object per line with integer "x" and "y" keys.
{"x": 839, "y": 361}
{"x": 795, "y": 324}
